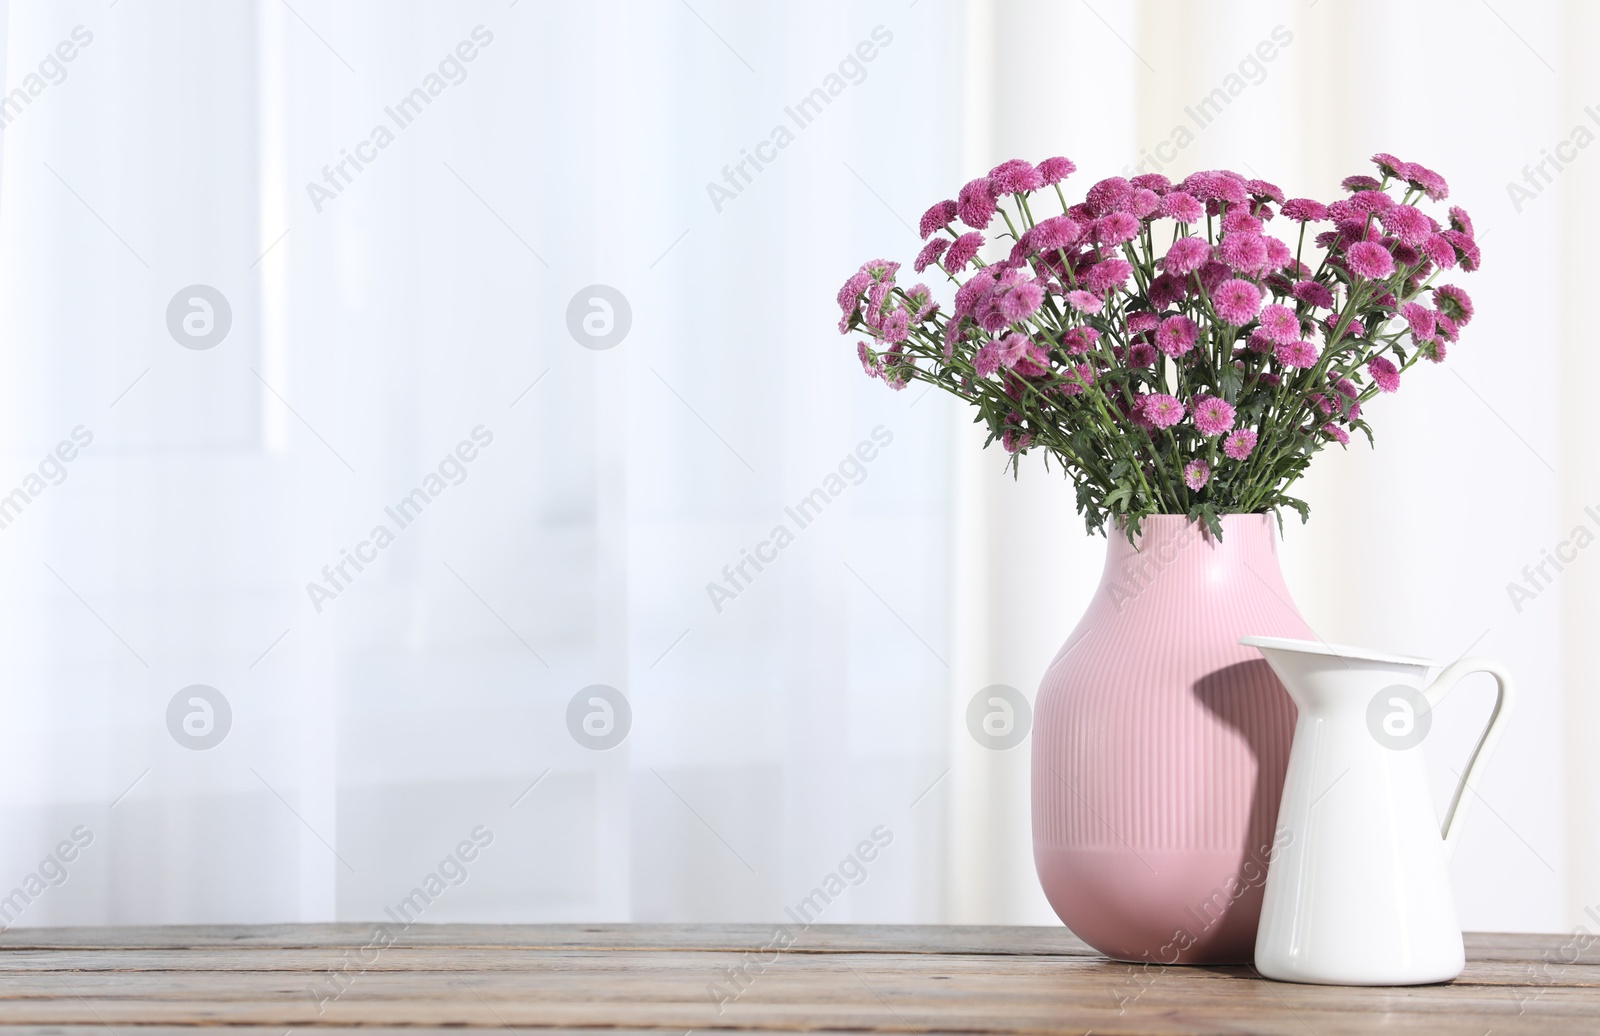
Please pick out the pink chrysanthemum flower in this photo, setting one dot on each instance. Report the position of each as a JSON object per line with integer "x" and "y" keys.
{"x": 1106, "y": 195}
{"x": 986, "y": 360}
{"x": 1387, "y": 164}
{"x": 1370, "y": 202}
{"x": 1196, "y": 474}
{"x": 962, "y": 250}
{"x": 1161, "y": 410}
{"x": 895, "y": 326}
{"x": 850, "y": 292}
{"x": 1305, "y": 210}
{"x": 1107, "y": 275}
{"x": 1384, "y": 374}
{"x": 1152, "y": 182}
{"x": 1466, "y": 249}
{"x": 1010, "y": 277}
{"x": 1213, "y": 416}
{"x": 1357, "y": 184}
{"x": 1083, "y": 301}
{"x": 877, "y": 291}
{"x": 1369, "y": 259}
{"x": 1142, "y": 321}
{"x": 1236, "y": 302}
{"x": 1265, "y": 191}
{"x": 1186, "y": 255}
{"x": 1141, "y": 354}
{"x": 1430, "y": 182}
{"x": 1015, "y": 177}
{"x": 1439, "y": 249}
{"x": 1239, "y": 444}
{"x": 1015, "y": 442}
{"x": 1013, "y": 347}
{"x": 1080, "y": 340}
{"x": 1280, "y": 324}
{"x": 1336, "y": 433}
{"x": 1300, "y": 355}
{"x": 989, "y": 316}
{"x": 1199, "y": 184}
{"x": 1313, "y": 293}
{"x": 1182, "y": 207}
{"x": 1419, "y": 319}
{"x": 975, "y": 204}
{"x": 1229, "y": 187}
{"x": 1054, "y": 170}
{"x": 1167, "y": 290}
{"x": 1238, "y": 221}
{"x": 1259, "y": 341}
{"x": 868, "y": 362}
{"x": 1407, "y": 223}
{"x": 1115, "y": 228}
{"x": 1244, "y": 252}
{"x": 1459, "y": 220}
{"x": 1053, "y": 233}
{"x": 1143, "y": 202}
{"x": 1348, "y": 218}
{"x": 934, "y": 249}
{"x": 1453, "y": 303}
{"x": 1278, "y": 254}
{"x": 938, "y": 215}
{"x": 1021, "y": 302}
{"x": 972, "y": 293}
{"x": 1176, "y": 335}
{"x": 1447, "y": 327}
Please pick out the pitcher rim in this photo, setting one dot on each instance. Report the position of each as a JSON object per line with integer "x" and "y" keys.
{"x": 1345, "y": 651}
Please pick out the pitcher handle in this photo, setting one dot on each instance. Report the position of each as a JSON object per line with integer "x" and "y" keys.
{"x": 1505, "y": 697}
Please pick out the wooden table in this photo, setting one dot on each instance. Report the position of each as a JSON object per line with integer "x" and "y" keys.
{"x": 671, "y": 979}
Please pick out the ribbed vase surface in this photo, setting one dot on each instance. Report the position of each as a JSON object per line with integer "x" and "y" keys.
{"x": 1160, "y": 746}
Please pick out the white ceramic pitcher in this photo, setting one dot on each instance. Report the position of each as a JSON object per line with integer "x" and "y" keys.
{"x": 1358, "y": 890}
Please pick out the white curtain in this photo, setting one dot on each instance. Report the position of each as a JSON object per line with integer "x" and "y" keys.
{"x": 408, "y": 208}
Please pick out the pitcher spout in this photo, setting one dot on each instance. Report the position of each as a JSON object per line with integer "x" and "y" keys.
{"x": 1325, "y": 679}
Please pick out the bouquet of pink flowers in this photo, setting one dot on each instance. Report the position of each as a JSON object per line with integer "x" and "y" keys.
{"x": 1197, "y": 378}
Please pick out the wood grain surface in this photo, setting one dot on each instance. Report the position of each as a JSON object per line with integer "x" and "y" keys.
{"x": 681, "y": 978}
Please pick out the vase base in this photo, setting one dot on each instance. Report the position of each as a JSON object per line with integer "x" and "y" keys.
{"x": 1155, "y": 906}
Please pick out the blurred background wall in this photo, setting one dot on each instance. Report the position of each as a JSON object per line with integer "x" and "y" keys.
{"x": 549, "y": 255}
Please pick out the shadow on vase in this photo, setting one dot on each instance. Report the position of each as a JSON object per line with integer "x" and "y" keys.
{"x": 1250, "y": 700}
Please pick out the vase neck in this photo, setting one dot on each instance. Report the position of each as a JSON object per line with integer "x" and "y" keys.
{"x": 1175, "y": 551}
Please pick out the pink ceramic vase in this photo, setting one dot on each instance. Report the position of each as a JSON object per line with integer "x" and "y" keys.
{"x": 1160, "y": 746}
